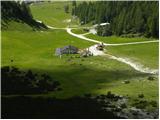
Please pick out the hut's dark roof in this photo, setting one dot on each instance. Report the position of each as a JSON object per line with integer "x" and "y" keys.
{"x": 69, "y": 47}
{"x": 66, "y": 50}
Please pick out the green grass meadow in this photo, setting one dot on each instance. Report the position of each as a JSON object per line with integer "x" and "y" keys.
{"x": 52, "y": 13}
{"x": 35, "y": 50}
{"x": 145, "y": 54}
{"x": 79, "y": 31}
{"x": 115, "y": 39}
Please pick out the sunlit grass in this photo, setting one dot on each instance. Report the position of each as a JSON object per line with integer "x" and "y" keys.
{"x": 79, "y": 31}
{"x": 115, "y": 39}
{"x": 145, "y": 54}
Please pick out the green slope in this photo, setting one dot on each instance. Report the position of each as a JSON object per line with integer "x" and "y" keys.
{"x": 52, "y": 13}
{"x": 115, "y": 39}
{"x": 35, "y": 50}
{"x": 145, "y": 54}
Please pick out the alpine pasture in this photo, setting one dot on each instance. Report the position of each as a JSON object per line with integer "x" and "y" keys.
{"x": 94, "y": 75}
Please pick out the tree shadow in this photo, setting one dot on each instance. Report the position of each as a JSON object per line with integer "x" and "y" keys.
{"x": 19, "y": 82}
{"x": 15, "y": 81}
{"x": 40, "y": 108}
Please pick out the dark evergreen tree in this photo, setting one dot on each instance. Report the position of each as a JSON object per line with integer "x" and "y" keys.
{"x": 66, "y": 8}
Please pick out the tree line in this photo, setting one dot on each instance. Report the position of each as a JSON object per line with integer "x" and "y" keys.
{"x": 125, "y": 17}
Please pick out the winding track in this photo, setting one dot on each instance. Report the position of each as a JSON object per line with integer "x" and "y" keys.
{"x": 81, "y": 36}
{"x": 137, "y": 67}
{"x": 134, "y": 65}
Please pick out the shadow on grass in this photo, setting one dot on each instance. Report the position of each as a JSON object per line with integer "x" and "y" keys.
{"x": 27, "y": 107}
{"x": 17, "y": 82}
{"x": 39, "y": 107}
{"x": 90, "y": 76}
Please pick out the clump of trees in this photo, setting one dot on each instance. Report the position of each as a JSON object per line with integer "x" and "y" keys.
{"x": 104, "y": 30}
{"x": 125, "y": 17}
{"x": 15, "y": 81}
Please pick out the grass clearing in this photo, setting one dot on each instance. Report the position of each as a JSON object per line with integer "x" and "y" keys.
{"x": 79, "y": 31}
{"x": 52, "y": 13}
{"x": 23, "y": 27}
{"x": 96, "y": 75}
{"x": 134, "y": 88}
{"x": 35, "y": 51}
{"x": 35, "y": 44}
{"x": 115, "y": 39}
{"x": 145, "y": 54}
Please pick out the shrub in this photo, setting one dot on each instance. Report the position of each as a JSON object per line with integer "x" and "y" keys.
{"x": 153, "y": 103}
{"x": 151, "y": 78}
{"x": 140, "y": 95}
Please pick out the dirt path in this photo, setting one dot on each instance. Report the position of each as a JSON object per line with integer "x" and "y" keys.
{"x": 81, "y": 36}
{"x": 69, "y": 31}
{"x": 137, "y": 66}
{"x": 96, "y": 52}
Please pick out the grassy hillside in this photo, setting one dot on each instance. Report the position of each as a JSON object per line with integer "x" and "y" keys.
{"x": 52, "y": 13}
{"x": 96, "y": 75}
{"x": 146, "y": 54}
{"x": 115, "y": 39}
{"x": 36, "y": 44}
{"x": 79, "y": 31}
{"x": 35, "y": 51}
{"x": 11, "y": 25}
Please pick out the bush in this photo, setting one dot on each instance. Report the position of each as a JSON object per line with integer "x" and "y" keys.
{"x": 141, "y": 96}
{"x": 141, "y": 104}
{"x": 153, "y": 103}
{"x": 151, "y": 78}
{"x": 126, "y": 81}
{"x": 66, "y": 8}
